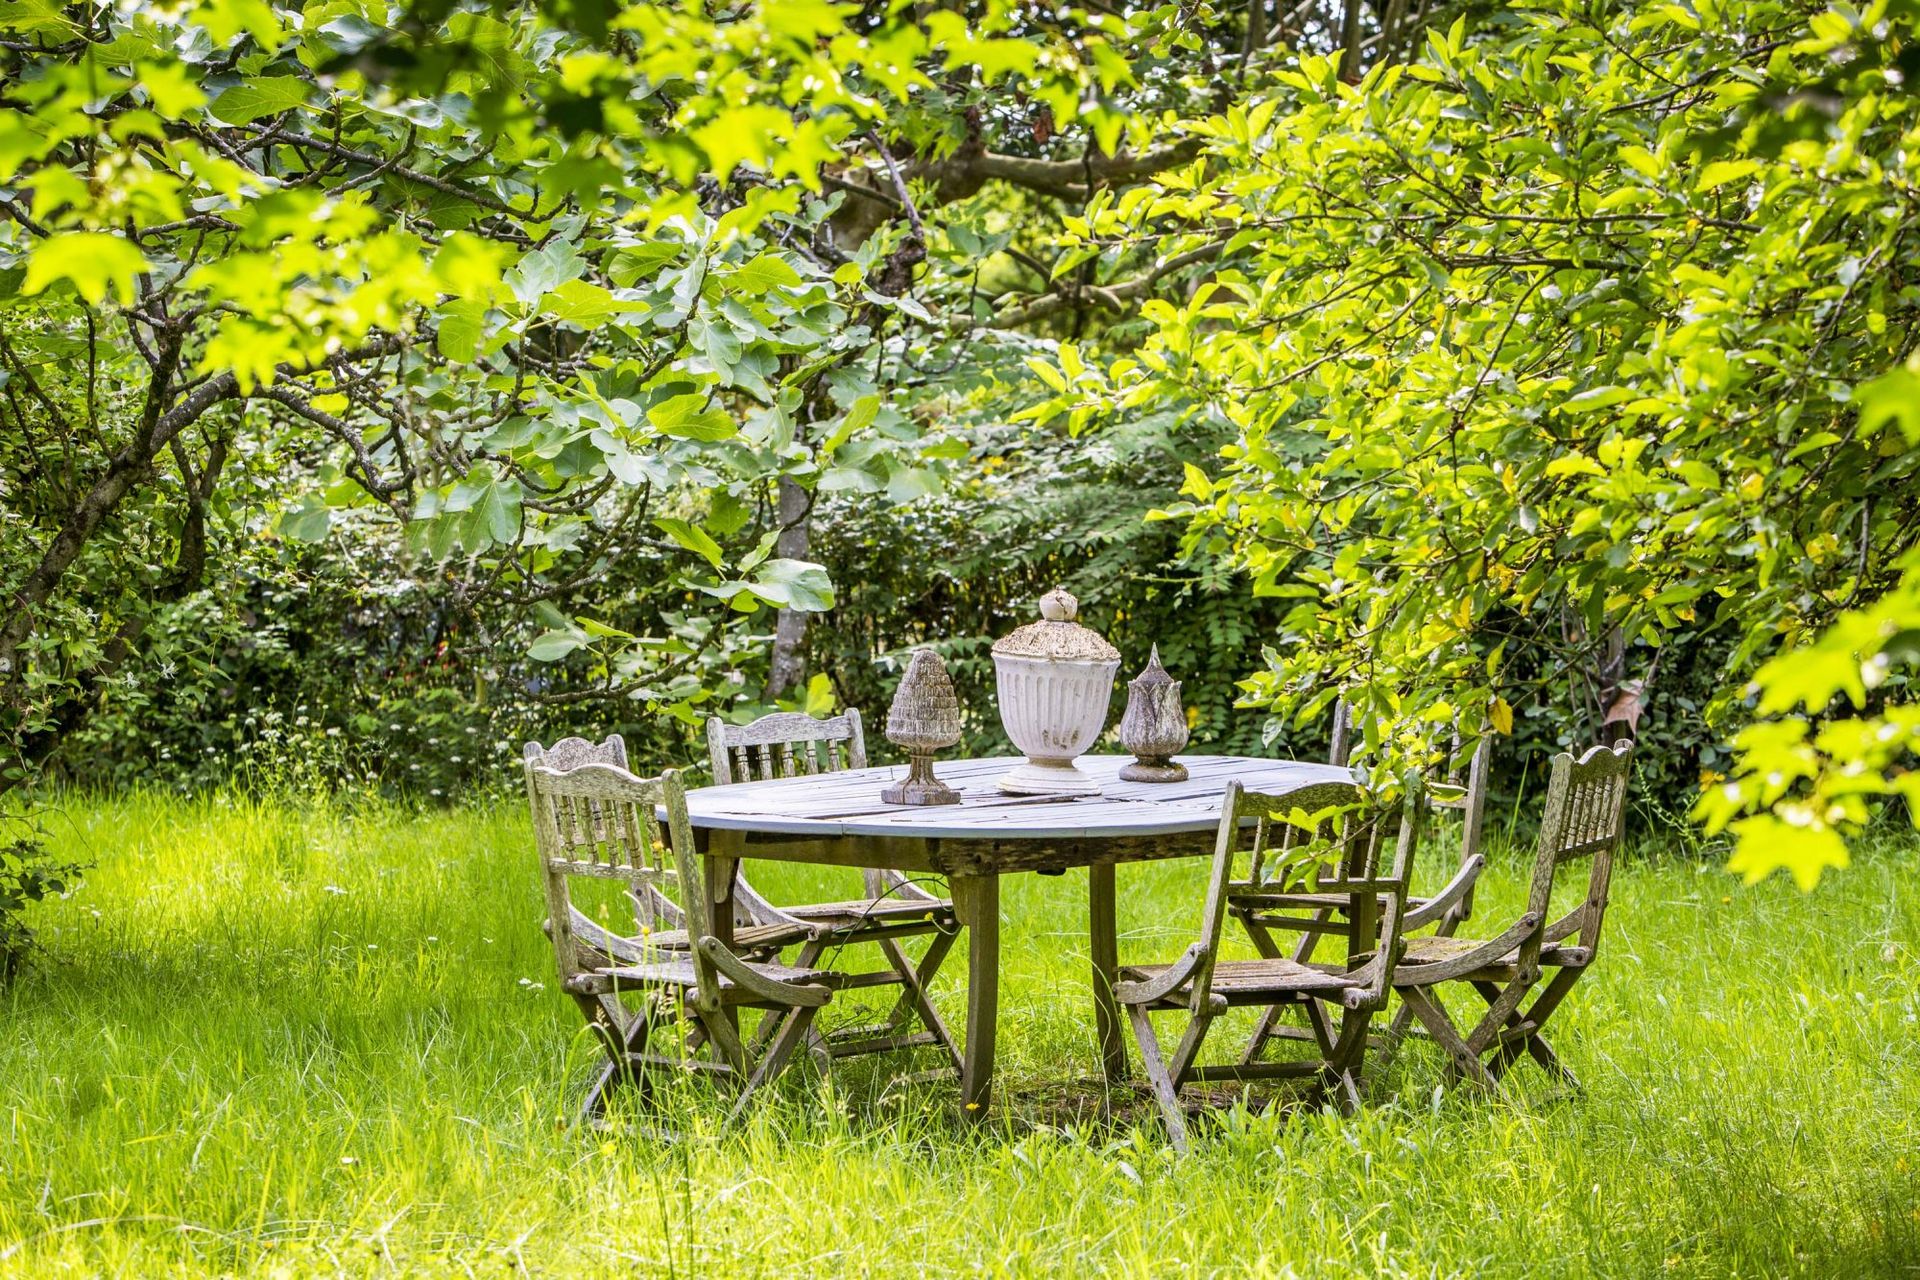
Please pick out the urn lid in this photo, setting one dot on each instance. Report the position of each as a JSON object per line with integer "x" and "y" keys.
{"x": 1057, "y": 637}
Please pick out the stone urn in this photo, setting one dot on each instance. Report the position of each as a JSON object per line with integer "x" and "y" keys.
{"x": 1055, "y": 679}
{"x": 1154, "y": 726}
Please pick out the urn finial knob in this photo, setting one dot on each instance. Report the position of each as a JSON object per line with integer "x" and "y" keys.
{"x": 1058, "y": 605}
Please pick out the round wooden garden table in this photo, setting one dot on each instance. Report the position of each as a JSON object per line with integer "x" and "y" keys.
{"x": 838, "y": 819}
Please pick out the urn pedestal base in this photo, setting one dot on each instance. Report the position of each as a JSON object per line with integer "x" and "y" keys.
{"x": 920, "y": 786}
{"x": 1049, "y": 778}
{"x": 1154, "y": 769}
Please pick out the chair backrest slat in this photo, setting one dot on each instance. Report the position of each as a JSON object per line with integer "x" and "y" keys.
{"x": 786, "y": 744}
{"x": 622, "y": 842}
{"x": 1585, "y": 818}
{"x": 1372, "y": 852}
{"x": 1464, "y": 771}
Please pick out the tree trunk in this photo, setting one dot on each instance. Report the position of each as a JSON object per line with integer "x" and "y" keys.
{"x": 788, "y": 670}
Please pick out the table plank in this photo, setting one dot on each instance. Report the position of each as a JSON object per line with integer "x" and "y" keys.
{"x": 848, "y": 803}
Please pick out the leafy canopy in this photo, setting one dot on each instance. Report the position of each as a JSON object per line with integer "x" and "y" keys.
{"x": 1550, "y": 343}
{"x": 542, "y": 286}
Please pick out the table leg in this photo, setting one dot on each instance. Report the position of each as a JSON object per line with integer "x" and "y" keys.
{"x": 1104, "y": 949}
{"x": 976, "y": 900}
{"x": 722, "y": 864}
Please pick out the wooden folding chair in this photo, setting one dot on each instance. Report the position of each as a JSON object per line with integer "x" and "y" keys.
{"x": 660, "y": 919}
{"x": 598, "y": 821}
{"x": 1586, "y": 803}
{"x": 1371, "y": 864}
{"x": 788, "y": 745}
{"x": 1457, "y": 784}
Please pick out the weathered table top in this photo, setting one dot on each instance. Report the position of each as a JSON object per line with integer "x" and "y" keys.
{"x": 848, "y": 803}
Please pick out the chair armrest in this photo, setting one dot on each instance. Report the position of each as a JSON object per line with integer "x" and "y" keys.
{"x": 883, "y": 883}
{"x": 604, "y": 942}
{"x": 1492, "y": 951}
{"x": 747, "y": 978}
{"x": 1170, "y": 979}
{"x": 1440, "y": 903}
{"x": 760, "y": 911}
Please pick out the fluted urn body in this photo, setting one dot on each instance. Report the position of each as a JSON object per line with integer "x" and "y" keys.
{"x": 1055, "y": 679}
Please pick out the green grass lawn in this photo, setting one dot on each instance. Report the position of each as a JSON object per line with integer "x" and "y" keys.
{"x": 286, "y": 1041}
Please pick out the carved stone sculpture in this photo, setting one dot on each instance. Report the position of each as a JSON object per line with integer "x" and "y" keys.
{"x": 1154, "y": 726}
{"x": 924, "y": 718}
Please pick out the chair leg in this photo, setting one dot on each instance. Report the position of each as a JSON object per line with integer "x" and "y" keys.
{"x": 1394, "y": 1036}
{"x": 1343, "y": 1075}
{"x": 1503, "y": 1004}
{"x": 1433, "y": 1016}
{"x": 810, "y": 952}
{"x": 1165, "y": 1091}
{"x": 1322, "y": 1033}
{"x": 1262, "y": 1034}
{"x": 793, "y": 1029}
{"x": 619, "y": 1068}
{"x": 1550, "y": 1062}
{"x": 914, "y": 979}
{"x": 1536, "y": 1044}
{"x": 725, "y": 1040}
{"x": 1269, "y": 948}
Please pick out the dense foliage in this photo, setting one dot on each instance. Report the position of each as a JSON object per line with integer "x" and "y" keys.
{"x": 1543, "y": 360}
{"x": 545, "y": 296}
{"x": 378, "y": 378}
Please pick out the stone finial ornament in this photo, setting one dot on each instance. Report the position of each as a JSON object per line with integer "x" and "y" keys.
{"x": 924, "y": 718}
{"x": 1154, "y": 726}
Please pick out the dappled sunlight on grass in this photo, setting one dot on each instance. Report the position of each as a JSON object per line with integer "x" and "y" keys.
{"x": 270, "y": 1038}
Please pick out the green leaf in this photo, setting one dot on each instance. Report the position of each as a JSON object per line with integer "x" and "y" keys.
{"x": 1766, "y": 844}
{"x": 307, "y": 521}
{"x": 461, "y": 326}
{"x": 1721, "y": 172}
{"x": 94, "y": 262}
{"x": 742, "y": 135}
{"x": 584, "y": 303}
{"x": 1575, "y": 464}
{"x": 1892, "y": 397}
{"x": 693, "y": 538}
{"x": 689, "y": 415}
{"x": 543, "y": 270}
{"x": 762, "y": 274}
{"x": 259, "y": 96}
{"x": 794, "y": 584}
{"x": 602, "y": 630}
{"x": 491, "y": 507}
{"x": 820, "y": 700}
{"x": 551, "y": 646}
{"x": 862, "y": 413}
{"x": 1597, "y": 398}
{"x": 714, "y": 338}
